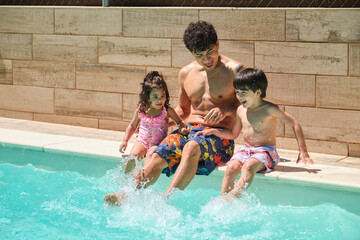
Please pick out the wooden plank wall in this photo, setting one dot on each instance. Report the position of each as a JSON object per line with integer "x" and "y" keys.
{"x": 83, "y": 65}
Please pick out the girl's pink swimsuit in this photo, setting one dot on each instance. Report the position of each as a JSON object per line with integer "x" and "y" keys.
{"x": 152, "y": 130}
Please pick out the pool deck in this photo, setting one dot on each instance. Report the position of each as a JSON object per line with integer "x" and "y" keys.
{"x": 334, "y": 170}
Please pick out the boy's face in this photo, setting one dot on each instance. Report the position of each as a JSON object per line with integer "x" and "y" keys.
{"x": 209, "y": 58}
{"x": 157, "y": 98}
{"x": 247, "y": 97}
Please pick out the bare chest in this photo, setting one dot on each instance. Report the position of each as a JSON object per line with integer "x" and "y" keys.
{"x": 259, "y": 122}
{"x": 199, "y": 86}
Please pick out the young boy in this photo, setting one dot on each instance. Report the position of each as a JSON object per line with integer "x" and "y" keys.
{"x": 257, "y": 119}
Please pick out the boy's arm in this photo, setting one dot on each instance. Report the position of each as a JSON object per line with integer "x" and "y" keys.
{"x": 299, "y": 135}
{"x": 130, "y": 131}
{"x": 225, "y": 133}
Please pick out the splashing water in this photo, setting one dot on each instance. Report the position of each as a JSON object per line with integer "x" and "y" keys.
{"x": 67, "y": 205}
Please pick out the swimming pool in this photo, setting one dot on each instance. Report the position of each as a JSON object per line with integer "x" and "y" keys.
{"x": 59, "y": 196}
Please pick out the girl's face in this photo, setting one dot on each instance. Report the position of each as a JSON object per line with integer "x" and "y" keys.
{"x": 157, "y": 98}
{"x": 247, "y": 97}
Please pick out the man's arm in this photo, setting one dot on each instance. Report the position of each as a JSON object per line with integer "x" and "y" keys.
{"x": 231, "y": 134}
{"x": 216, "y": 115}
{"x": 183, "y": 108}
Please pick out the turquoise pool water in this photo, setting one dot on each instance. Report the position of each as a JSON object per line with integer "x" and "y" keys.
{"x": 56, "y": 196}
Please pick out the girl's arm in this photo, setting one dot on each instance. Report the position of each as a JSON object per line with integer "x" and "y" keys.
{"x": 299, "y": 135}
{"x": 225, "y": 133}
{"x": 130, "y": 131}
{"x": 181, "y": 124}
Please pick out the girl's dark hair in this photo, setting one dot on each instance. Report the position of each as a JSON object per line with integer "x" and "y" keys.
{"x": 253, "y": 79}
{"x": 152, "y": 80}
{"x": 200, "y": 36}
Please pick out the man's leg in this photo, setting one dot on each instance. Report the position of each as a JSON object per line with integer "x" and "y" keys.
{"x": 248, "y": 171}
{"x": 187, "y": 167}
{"x": 151, "y": 171}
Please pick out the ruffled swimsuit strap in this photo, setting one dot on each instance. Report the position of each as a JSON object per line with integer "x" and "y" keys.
{"x": 146, "y": 117}
{"x": 163, "y": 113}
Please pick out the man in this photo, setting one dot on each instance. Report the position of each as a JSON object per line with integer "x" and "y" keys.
{"x": 206, "y": 99}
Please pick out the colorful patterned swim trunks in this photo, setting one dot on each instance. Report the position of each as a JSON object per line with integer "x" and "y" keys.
{"x": 265, "y": 154}
{"x": 215, "y": 151}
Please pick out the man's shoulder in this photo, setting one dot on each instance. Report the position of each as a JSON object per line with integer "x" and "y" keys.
{"x": 184, "y": 71}
{"x": 190, "y": 66}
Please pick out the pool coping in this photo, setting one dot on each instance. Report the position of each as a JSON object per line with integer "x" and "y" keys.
{"x": 328, "y": 172}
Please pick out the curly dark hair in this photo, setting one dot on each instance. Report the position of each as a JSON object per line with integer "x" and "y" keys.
{"x": 200, "y": 36}
{"x": 253, "y": 79}
{"x": 152, "y": 80}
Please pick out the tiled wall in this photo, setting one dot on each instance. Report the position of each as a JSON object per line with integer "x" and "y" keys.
{"x": 83, "y": 66}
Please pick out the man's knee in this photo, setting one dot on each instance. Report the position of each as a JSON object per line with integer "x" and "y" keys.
{"x": 192, "y": 148}
{"x": 158, "y": 161}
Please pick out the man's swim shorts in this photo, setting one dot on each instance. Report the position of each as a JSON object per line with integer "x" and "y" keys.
{"x": 265, "y": 154}
{"x": 215, "y": 151}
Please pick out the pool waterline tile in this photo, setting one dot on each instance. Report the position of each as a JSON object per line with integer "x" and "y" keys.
{"x": 327, "y": 170}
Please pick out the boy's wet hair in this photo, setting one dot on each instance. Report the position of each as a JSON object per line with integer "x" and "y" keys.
{"x": 152, "y": 80}
{"x": 253, "y": 79}
{"x": 200, "y": 36}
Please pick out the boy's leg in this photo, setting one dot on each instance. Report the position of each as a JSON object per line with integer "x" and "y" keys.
{"x": 233, "y": 168}
{"x": 187, "y": 167}
{"x": 248, "y": 171}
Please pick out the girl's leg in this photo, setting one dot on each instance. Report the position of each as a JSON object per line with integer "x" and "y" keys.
{"x": 115, "y": 198}
{"x": 233, "y": 169}
{"x": 248, "y": 171}
{"x": 137, "y": 151}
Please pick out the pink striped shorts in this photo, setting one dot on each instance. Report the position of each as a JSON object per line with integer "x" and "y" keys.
{"x": 265, "y": 154}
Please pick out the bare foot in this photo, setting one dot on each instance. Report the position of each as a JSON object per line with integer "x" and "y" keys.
{"x": 228, "y": 197}
{"x": 116, "y": 199}
{"x": 130, "y": 164}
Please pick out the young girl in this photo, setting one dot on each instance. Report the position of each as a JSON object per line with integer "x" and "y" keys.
{"x": 152, "y": 113}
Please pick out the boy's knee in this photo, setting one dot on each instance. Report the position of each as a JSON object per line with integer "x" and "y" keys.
{"x": 233, "y": 167}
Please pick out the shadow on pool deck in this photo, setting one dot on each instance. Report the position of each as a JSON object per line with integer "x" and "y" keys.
{"x": 296, "y": 169}
{"x": 328, "y": 169}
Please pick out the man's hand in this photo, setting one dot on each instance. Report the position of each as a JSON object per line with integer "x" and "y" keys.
{"x": 207, "y": 132}
{"x": 183, "y": 128}
{"x": 304, "y": 156}
{"x": 214, "y": 116}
